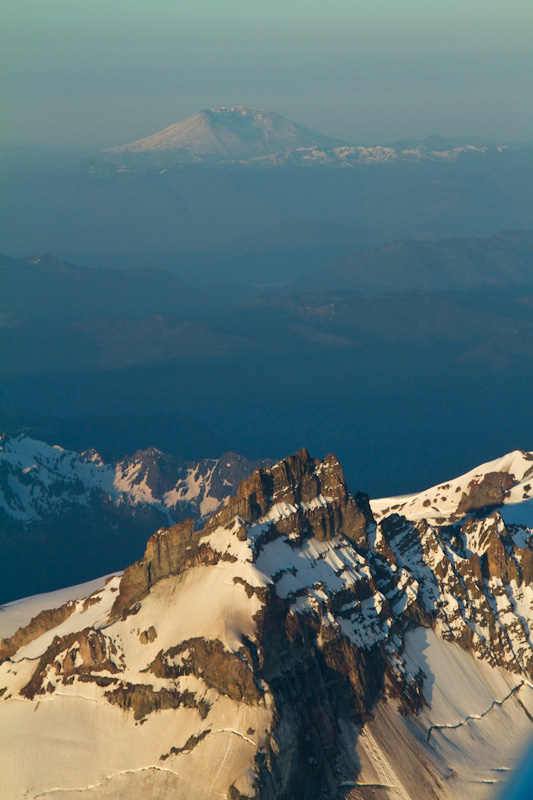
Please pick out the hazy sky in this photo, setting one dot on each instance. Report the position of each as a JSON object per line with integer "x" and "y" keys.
{"x": 93, "y": 73}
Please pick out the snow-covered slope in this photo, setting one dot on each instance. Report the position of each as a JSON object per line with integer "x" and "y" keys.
{"x": 263, "y": 138}
{"x": 292, "y": 648}
{"x": 506, "y": 481}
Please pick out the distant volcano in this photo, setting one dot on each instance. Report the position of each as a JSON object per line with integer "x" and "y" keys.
{"x": 226, "y": 134}
{"x": 254, "y": 137}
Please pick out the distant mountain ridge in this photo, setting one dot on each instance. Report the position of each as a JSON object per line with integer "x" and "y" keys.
{"x": 250, "y": 207}
{"x": 45, "y": 286}
{"x": 252, "y": 136}
{"x": 40, "y": 481}
{"x": 448, "y": 348}
{"x": 458, "y": 263}
{"x": 77, "y": 507}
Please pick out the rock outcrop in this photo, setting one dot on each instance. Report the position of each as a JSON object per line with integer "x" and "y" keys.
{"x": 490, "y": 490}
{"x": 287, "y": 631}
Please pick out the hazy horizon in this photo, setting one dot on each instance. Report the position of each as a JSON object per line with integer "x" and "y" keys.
{"x": 78, "y": 149}
{"x": 85, "y": 77}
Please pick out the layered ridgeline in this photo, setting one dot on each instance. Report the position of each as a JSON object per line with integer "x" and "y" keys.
{"x": 63, "y": 511}
{"x": 455, "y": 264}
{"x": 244, "y": 195}
{"x": 292, "y": 648}
{"x": 257, "y": 137}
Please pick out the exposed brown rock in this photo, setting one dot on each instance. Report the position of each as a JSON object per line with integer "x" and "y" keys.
{"x": 490, "y": 490}
{"x": 296, "y": 480}
{"x": 259, "y": 591}
{"x": 221, "y": 669}
{"x": 392, "y": 526}
{"x": 471, "y": 569}
{"x": 91, "y": 600}
{"x": 381, "y": 544}
{"x": 525, "y": 557}
{"x": 143, "y": 699}
{"x": 409, "y": 695}
{"x": 43, "y": 622}
{"x": 497, "y": 563}
{"x": 148, "y": 636}
{"x": 90, "y": 646}
{"x": 189, "y": 745}
{"x": 166, "y": 553}
{"x": 234, "y": 794}
{"x": 99, "y": 680}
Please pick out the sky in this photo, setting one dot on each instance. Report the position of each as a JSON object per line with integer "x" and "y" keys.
{"x": 83, "y": 75}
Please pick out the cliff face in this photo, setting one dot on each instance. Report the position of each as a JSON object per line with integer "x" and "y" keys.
{"x": 279, "y": 653}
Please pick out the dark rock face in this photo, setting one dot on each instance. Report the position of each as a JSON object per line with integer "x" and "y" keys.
{"x": 470, "y": 578}
{"x": 230, "y": 674}
{"x": 189, "y": 745}
{"x": 167, "y": 553}
{"x": 142, "y": 699}
{"x": 300, "y": 480}
{"x": 490, "y": 491}
{"x": 313, "y": 687}
{"x": 145, "y": 637}
{"x": 92, "y": 648}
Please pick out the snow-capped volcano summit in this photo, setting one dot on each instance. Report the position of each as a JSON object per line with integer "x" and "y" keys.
{"x": 256, "y": 137}
{"x": 227, "y": 134}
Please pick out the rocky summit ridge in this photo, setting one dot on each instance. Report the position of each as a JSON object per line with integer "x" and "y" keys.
{"x": 294, "y": 647}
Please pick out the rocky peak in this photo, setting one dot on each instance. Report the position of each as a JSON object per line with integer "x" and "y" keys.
{"x": 285, "y": 625}
{"x": 298, "y": 497}
{"x": 314, "y": 490}
{"x": 158, "y": 471}
{"x": 297, "y": 479}
{"x": 228, "y": 473}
